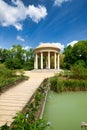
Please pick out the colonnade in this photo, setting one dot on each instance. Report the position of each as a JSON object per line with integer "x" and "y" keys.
{"x": 56, "y": 60}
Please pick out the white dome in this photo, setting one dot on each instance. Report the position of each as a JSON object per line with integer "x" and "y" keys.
{"x": 48, "y": 45}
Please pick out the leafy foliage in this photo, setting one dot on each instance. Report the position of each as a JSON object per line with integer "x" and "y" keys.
{"x": 8, "y": 77}
{"x": 78, "y": 72}
{"x": 4, "y": 127}
{"x": 13, "y": 63}
{"x": 76, "y": 54}
{"x": 69, "y": 85}
{"x": 17, "y": 57}
{"x": 62, "y": 60}
{"x": 73, "y": 80}
{"x": 53, "y": 82}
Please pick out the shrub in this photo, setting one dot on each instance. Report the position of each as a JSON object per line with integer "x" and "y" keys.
{"x": 13, "y": 63}
{"x": 21, "y": 122}
{"x": 6, "y": 72}
{"x": 60, "y": 85}
{"x": 9, "y": 76}
{"x": 79, "y": 72}
{"x": 53, "y": 82}
{"x": 68, "y": 85}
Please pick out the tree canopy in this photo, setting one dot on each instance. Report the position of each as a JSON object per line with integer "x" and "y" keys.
{"x": 76, "y": 54}
{"x": 17, "y": 57}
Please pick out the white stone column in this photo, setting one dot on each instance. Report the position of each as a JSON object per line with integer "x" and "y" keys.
{"x": 36, "y": 61}
{"x": 58, "y": 64}
{"x": 41, "y": 60}
{"x": 48, "y": 60}
{"x": 55, "y": 60}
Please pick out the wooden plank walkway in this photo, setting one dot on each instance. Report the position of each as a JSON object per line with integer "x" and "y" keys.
{"x": 13, "y": 100}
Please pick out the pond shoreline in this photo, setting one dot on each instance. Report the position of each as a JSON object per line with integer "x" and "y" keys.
{"x": 69, "y": 110}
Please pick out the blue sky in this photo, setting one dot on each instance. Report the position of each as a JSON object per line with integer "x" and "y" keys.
{"x": 32, "y": 22}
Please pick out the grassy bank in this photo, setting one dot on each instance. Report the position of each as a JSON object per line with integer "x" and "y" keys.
{"x": 59, "y": 84}
{"x": 73, "y": 80}
{"x": 9, "y": 77}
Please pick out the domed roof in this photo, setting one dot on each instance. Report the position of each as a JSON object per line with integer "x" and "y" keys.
{"x": 47, "y": 45}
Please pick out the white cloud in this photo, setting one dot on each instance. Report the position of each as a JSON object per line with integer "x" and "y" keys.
{"x": 13, "y": 15}
{"x": 36, "y": 13}
{"x": 20, "y": 38}
{"x": 27, "y": 47}
{"x": 72, "y": 43}
{"x": 60, "y": 2}
{"x": 59, "y": 45}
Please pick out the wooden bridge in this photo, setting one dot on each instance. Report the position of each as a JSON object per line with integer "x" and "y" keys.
{"x": 14, "y": 99}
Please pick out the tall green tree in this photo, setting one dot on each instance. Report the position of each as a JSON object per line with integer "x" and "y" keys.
{"x": 29, "y": 54}
{"x": 29, "y": 62}
{"x": 4, "y": 54}
{"x": 16, "y": 57}
{"x": 76, "y": 54}
{"x": 79, "y": 51}
{"x": 62, "y": 60}
{"x": 18, "y": 52}
{"x": 20, "y": 58}
{"x": 68, "y": 56}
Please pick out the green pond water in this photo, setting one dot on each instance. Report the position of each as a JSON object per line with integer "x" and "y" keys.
{"x": 65, "y": 111}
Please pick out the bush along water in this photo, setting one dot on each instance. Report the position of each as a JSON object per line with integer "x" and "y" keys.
{"x": 73, "y": 80}
{"x": 29, "y": 118}
{"x": 68, "y": 85}
{"x": 78, "y": 72}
